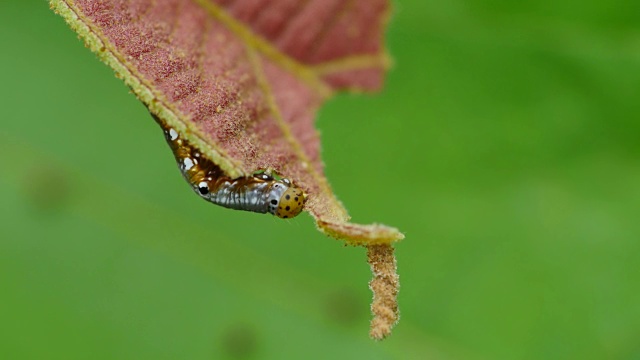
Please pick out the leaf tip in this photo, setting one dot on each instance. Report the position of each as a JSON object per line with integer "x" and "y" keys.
{"x": 358, "y": 234}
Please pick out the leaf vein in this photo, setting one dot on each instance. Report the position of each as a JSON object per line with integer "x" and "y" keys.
{"x": 251, "y": 39}
{"x": 341, "y": 10}
{"x": 286, "y": 131}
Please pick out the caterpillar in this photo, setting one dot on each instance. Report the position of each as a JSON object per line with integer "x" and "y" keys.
{"x": 259, "y": 193}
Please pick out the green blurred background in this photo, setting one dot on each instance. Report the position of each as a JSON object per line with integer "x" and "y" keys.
{"x": 505, "y": 144}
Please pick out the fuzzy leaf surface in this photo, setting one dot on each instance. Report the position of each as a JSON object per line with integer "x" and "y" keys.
{"x": 242, "y": 80}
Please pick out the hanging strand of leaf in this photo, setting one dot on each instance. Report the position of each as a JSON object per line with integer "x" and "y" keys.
{"x": 241, "y": 84}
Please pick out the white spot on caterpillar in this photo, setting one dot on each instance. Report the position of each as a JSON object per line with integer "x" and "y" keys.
{"x": 173, "y": 135}
{"x": 187, "y": 163}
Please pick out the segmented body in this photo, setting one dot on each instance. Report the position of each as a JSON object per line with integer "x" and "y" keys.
{"x": 259, "y": 193}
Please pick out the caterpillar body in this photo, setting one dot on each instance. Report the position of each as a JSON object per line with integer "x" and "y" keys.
{"x": 261, "y": 193}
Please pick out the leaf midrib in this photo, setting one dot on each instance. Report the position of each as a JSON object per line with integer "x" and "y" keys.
{"x": 253, "y": 44}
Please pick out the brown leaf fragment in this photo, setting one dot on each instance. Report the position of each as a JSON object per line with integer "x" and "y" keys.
{"x": 241, "y": 81}
{"x": 385, "y": 286}
{"x": 243, "y": 85}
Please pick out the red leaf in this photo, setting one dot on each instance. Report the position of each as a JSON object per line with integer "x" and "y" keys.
{"x": 241, "y": 80}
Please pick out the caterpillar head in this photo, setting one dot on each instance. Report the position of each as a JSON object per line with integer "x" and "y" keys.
{"x": 291, "y": 203}
{"x": 286, "y": 201}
